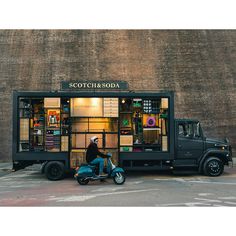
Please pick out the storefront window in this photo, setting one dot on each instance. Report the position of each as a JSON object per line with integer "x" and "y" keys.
{"x": 143, "y": 124}
{"x": 44, "y": 124}
{"x": 51, "y": 124}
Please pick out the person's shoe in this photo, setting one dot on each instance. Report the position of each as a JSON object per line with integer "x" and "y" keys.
{"x": 102, "y": 175}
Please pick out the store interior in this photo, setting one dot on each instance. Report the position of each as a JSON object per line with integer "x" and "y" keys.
{"x": 67, "y": 124}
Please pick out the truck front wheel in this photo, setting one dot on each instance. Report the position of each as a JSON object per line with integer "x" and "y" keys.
{"x": 54, "y": 170}
{"x": 213, "y": 166}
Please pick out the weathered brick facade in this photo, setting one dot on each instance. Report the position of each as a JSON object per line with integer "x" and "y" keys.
{"x": 200, "y": 66}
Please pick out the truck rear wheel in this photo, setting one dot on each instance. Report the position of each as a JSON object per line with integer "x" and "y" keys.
{"x": 213, "y": 166}
{"x": 54, "y": 170}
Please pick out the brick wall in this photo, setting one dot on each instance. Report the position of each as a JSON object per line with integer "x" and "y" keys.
{"x": 200, "y": 66}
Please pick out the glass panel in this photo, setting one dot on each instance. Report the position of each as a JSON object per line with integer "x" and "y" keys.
{"x": 79, "y": 141}
{"x": 110, "y": 107}
{"x": 64, "y": 143}
{"x": 83, "y": 140}
{"x": 52, "y": 102}
{"x": 126, "y": 140}
{"x": 25, "y": 113}
{"x": 37, "y": 143}
{"x": 37, "y": 127}
{"x": 52, "y": 141}
{"x": 151, "y": 136}
{"x": 53, "y": 131}
{"x": 86, "y": 107}
{"x": 24, "y": 147}
{"x": 181, "y": 130}
{"x": 111, "y": 141}
{"x": 37, "y": 124}
{"x": 150, "y": 120}
{"x": 188, "y": 130}
{"x": 196, "y": 127}
{"x": 24, "y": 129}
{"x": 126, "y": 124}
{"x": 53, "y": 118}
{"x": 24, "y": 103}
{"x": 125, "y": 105}
{"x": 103, "y": 124}
{"x": 164, "y": 103}
{"x": 65, "y": 105}
{"x": 164, "y": 143}
{"x": 146, "y": 121}
{"x": 151, "y": 106}
{"x": 37, "y": 105}
{"x": 80, "y": 125}
{"x": 65, "y": 124}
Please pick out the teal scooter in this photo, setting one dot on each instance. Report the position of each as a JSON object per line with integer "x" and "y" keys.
{"x": 87, "y": 172}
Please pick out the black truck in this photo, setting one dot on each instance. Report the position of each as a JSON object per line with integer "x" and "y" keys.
{"x": 138, "y": 128}
{"x": 195, "y": 151}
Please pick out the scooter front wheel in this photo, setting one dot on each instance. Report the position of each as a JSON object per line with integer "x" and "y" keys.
{"x": 119, "y": 178}
{"x": 82, "y": 181}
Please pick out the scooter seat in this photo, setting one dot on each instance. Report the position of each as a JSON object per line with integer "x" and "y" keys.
{"x": 89, "y": 165}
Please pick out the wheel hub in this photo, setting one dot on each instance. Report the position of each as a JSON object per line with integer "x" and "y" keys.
{"x": 54, "y": 171}
{"x": 119, "y": 177}
{"x": 214, "y": 167}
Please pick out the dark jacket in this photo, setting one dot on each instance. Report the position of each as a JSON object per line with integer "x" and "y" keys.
{"x": 93, "y": 152}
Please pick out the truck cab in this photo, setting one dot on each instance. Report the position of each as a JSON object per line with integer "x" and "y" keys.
{"x": 194, "y": 151}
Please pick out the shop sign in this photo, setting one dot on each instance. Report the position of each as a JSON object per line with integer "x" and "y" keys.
{"x": 77, "y": 85}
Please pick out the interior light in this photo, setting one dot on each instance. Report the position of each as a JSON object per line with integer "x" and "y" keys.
{"x": 123, "y": 101}
{"x": 95, "y": 101}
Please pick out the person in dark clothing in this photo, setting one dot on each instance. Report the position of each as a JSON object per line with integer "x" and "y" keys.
{"x": 93, "y": 153}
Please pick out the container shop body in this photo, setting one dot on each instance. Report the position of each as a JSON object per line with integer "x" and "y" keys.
{"x": 56, "y": 127}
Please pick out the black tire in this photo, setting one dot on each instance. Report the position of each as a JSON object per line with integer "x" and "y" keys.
{"x": 55, "y": 170}
{"x": 119, "y": 178}
{"x": 213, "y": 166}
{"x": 82, "y": 181}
